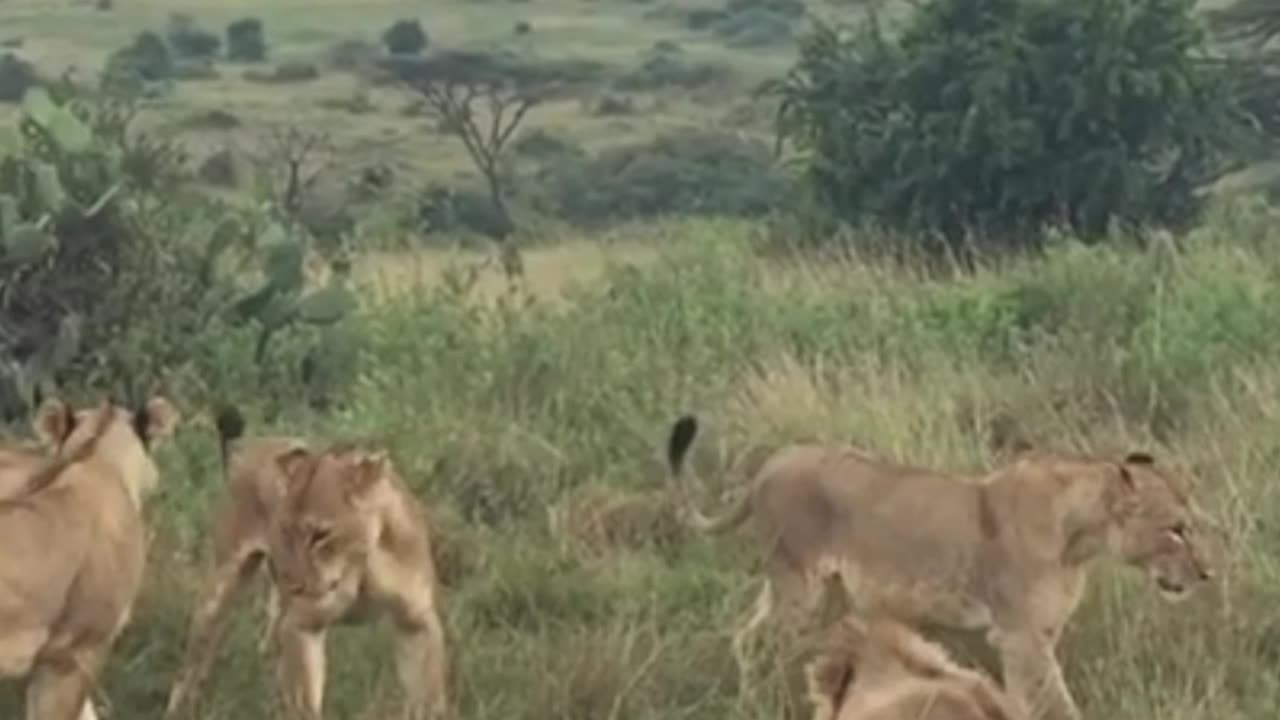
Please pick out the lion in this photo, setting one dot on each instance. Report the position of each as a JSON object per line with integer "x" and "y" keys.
{"x": 20, "y": 461}
{"x": 883, "y": 670}
{"x": 599, "y": 518}
{"x": 1006, "y": 554}
{"x": 343, "y": 540}
{"x": 75, "y": 550}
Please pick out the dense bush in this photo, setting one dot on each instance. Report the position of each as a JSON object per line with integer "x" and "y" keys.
{"x": 1004, "y": 115}
{"x": 405, "y": 37}
{"x": 146, "y": 60}
{"x": 682, "y": 173}
{"x": 118, "y": 274}
{"x": 443, "y": 210}
{"x": 189, "y": 40}
{"x": 16, "y": 77}
{"x": 246, "y": 40}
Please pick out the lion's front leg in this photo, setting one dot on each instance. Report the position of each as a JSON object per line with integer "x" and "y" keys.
{"x": 301, "y": 669}
{"x": 421, "y": 663}
{"x": 1033, "y": 676}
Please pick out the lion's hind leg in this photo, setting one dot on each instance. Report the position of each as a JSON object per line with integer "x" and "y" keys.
{"x": 208, "y": 621}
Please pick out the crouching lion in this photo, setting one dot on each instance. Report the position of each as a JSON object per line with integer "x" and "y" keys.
{"x": 1007, "y": 554}
{"x": 882, "y": 670}
{"x": 75, "y": 551}
{"x": 343, "y": 540}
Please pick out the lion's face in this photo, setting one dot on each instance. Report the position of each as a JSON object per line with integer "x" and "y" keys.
{"x": 1157, "y": 531}
{"x": 324, "y": 537}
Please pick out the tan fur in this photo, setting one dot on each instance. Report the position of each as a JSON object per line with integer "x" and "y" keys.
{"x": 344, "y": 540}
{"x": 75, "y": 551}
{"x": 17, "y": 464}
{"x": 599, "y": 518}
{"x": 882, "y": 670}
{"x": 1007, "y": 554}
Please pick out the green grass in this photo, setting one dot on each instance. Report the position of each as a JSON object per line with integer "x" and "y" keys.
{"x": 499, "y": 410}
{"x": 614, "y": 33}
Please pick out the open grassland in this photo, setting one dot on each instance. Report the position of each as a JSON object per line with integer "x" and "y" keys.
{"x": 500, "y": 411}
{"x": 370, "y": 124}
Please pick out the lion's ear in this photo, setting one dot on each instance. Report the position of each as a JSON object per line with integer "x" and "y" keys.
{"x": 157, "y": 419}
{"x": 1126, "y": 477}
{"x": 54, "y": 422}
{"x": 1139, "y": 457}
{"x": 296, "y": 464}
{"x": 370, "y": 470}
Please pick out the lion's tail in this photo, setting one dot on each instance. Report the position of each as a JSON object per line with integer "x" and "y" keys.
{"x": 230, "y": 424}
{"x": 683, "y": 432}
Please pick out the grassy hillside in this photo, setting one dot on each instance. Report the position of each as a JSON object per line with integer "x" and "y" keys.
{"x": 499, "y": 410}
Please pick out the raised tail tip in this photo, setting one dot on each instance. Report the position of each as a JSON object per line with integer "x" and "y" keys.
{"x": 230, "y": 423}
{"x": 682, "y": 433}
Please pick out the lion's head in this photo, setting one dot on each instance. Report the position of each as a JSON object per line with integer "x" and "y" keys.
{"x": 883, "y": 670}
{"x": 324, "y": 534}
{"x": 1155, "y": 528}
{"x": 119, "y": 436}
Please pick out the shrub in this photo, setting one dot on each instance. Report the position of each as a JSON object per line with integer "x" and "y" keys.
{"x": 190, "y": 40}
{"x": 285, "y": 72}
{"x": 661, "y": 70}
{"x": 683, "y": 173}
{"x": 442, "y": 210}
{"x": 353, "y": 55}
{"x": 542, "y": 145}
{"x": 405, "y": 37}
{"x": 246, "y": 40}
{"x": 16, "y": 77}
{"x": 146, "y": 60}
{"x": 1004, "y": 115}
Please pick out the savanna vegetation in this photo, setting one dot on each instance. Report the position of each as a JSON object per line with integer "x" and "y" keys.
{"x": 512, "y": 241}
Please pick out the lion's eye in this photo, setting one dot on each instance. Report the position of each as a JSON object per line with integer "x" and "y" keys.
{"x": 319, "y": 536}
{"x": 1179, "y": 531}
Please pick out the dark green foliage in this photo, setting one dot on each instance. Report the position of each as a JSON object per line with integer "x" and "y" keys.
{"x": 684, "y": 173}
{"x": 115, "y": 272}
{"x": 405, "y": 37}
{"x": 146, "y": 60}
{"x": 1000, "y": 116}
{"x": 88, "y": 290}
{"x": 542, "y": 145}
{"x": 246, "y": 40}
{"x": 444, "y": 209}
{"x": 16, "y": 77}
{"x": 189, "y": 40}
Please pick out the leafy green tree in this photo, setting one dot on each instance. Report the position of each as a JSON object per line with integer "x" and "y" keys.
{"x": 405, "y": 37}
{"x": 993, "y": 118}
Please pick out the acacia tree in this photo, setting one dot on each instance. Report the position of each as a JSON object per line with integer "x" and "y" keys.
{"x": 291, "y": 159}
{"x": 480, "y": 99}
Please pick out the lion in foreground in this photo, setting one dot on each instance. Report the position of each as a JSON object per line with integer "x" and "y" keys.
{"x": 75, "y": 551}
{"x": 1007, "y": 554}
{"x": 343, "y": 539}
{"x": 882, "y": 670}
